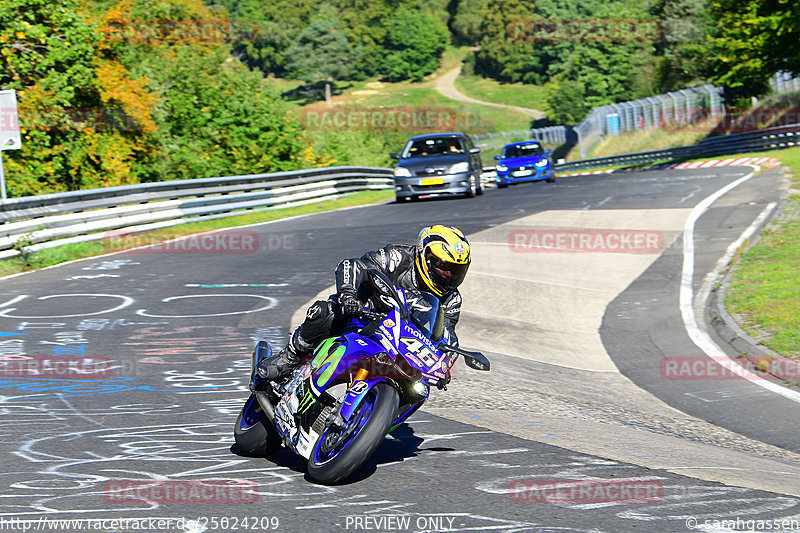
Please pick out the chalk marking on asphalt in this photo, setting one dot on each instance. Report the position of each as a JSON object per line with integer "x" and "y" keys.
{"x": 699, "y": 337}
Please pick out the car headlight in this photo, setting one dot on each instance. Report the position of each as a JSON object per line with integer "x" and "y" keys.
{"x": 541, "y": 163}
{"x": 501, "y": 167}
{"x": 459, "y": 167}
{"x": 402, "y": 172}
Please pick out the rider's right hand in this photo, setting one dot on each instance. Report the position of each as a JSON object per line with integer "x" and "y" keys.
{"x": 351, "y": 306}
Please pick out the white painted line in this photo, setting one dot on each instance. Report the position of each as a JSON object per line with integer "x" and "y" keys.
{"x": 698, "y": 336}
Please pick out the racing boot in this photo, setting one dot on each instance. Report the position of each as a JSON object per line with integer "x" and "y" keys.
{"x": 281, "y": 365}
{"x": 278, "y": 366}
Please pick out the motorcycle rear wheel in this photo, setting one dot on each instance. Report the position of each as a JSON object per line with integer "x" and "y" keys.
{"x": 339, "y": 453}
{"x": 253, "y": 432}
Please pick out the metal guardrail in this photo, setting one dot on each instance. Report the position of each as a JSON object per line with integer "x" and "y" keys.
{"x": 753, "y": 141}
{"x": 734, "y": 143}
{"x": 55, "y": 219}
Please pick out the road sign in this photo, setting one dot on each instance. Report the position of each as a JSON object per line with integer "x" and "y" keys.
{"x": 10, "y": 138}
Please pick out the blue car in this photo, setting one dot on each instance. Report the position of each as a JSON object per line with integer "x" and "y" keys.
{"x": 523, "y": 161}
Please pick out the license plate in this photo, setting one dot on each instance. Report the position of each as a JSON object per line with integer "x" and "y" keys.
{"x": 431, "y": 181}
{"x": 520, "y": 173}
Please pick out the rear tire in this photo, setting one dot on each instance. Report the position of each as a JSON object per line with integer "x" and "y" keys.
{"x": 550, "y": 180}
{"x": 369, "y": 425}
{"x": 253, "y": 432}
{"x": 502, "y": 185}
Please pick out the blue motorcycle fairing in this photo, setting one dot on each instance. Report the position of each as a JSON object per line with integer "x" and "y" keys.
{"x": 356, "y": 394}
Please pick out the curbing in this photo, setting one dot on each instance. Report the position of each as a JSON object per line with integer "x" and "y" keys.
{"x": 716, "y": 314}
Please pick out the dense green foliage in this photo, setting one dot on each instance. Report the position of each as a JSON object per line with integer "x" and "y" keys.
{"x": 753, "y": 39}
{"x": 321, "y": 52}
{"x": 114, "y": 92}
{"x": 121, "y": 93}
{"x": 414, "y": 43}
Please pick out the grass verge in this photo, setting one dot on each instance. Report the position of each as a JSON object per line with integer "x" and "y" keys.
{"x": 69, "y": 252}
{"x": 764, "y": 291}
{"x": 516, "y": 94}
{"x": 646, "y": 140}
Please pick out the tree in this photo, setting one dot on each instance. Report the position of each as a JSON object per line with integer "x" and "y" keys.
{"x": 414, "y": 44}
{"x": 113, "y": 95}
{"x": 83, "y": 116}
{"x": 322, "y": 52}
{"x": 683, "y": 52}
{"x": 466, "y": 22}
{"x": 270, "y": 28}
{"x": 214, "y": 115}
{"x": 568, "y": 102}
{"x": 753, "y": 40}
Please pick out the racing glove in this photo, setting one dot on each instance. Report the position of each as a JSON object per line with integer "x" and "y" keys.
{"x": 351, "y": 306}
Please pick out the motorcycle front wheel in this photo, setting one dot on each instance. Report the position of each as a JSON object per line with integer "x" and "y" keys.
{"x": 339, "y": 452}
{"x": 254, "y": 433}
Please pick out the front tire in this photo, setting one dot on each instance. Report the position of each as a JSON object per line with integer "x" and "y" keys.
{"x": 339, "y": 453}
{"x": 471, "y": 188}
{"x": 253, "y": 432}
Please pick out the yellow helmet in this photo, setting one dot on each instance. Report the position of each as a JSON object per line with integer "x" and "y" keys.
{"x": 442, "y": 259}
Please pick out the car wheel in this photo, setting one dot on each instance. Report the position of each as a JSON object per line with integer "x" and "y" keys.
{"x": 551, "y": 179}
{"x": 480, "y": 187}
{"x": 501, "y": 185}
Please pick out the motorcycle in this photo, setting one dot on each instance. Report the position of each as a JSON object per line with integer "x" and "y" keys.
{"x": 336, "y": 408}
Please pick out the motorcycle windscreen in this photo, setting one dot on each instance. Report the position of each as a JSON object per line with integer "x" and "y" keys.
{"x": 426, "y": 313}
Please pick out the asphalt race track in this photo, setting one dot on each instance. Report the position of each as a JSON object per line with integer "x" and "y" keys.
{"x": 123, "y": 376}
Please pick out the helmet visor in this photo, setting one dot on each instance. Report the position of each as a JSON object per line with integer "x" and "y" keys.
{"x": 446, "y": 275}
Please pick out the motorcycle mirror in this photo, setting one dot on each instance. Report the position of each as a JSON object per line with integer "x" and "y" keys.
{"x": 475, "y": 360}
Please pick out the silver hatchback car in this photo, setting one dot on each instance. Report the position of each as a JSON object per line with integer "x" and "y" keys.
{"x": 438, "y": 164}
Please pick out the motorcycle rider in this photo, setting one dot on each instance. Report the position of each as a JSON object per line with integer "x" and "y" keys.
{"x": 437, "y": 264}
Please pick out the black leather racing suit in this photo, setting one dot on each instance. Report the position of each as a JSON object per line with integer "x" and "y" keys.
{"x": 324, "y": 318}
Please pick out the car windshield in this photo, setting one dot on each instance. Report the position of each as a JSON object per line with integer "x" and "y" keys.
{"x": 433, "y": 146}
{"x": 522, "y": 150}
{"x": 426, "y": 313}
